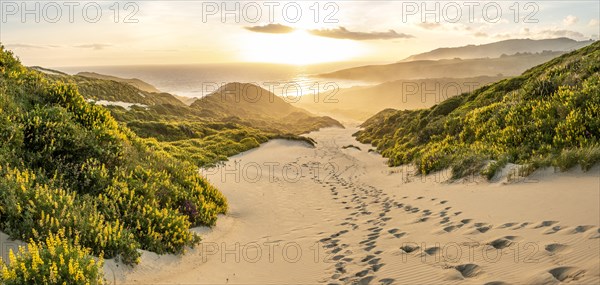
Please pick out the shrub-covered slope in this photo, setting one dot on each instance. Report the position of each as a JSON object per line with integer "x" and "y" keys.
{"x": 70, "y": 172}
{"x": 547, "y": 116}
{"x": 211, "y": 129}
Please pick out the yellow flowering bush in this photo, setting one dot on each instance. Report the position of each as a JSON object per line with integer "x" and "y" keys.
{"x": 76, "y": 183}
{"x": 56, "y": 260}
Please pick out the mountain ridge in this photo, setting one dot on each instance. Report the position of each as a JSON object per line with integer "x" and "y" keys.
{"x": 506, "y": 47}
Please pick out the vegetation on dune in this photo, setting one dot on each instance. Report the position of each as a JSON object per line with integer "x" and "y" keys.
{"x": 222, "y": 124}
{"x": 110, "y": 90}
{"x": 76, "y": 183}
{"x": 213, "y": 128}
{"x": 191, "y": 135}
{"x": 56, "y": 260}
{"x": 547, "y": 116}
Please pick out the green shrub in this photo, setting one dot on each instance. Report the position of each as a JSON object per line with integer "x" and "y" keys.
{"x": 547, "y": 116}
{"x": 68, "y": 168}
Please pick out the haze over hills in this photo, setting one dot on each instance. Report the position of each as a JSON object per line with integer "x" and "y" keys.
{"x": 506, "y": 58}
{"x": 137, "y": 83}
{"x": 497, "y": 49}
{"x": 254, "y": 104}
{"x": 426, "y": 79}
{"x": 547, "y": 116}
{"x": 363, "y": 102}
{"x": 454, "y": 68}
{"x": 247, "y": 101}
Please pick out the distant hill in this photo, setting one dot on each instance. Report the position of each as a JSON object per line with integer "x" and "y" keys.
{"x": 47, "y": 70}
{"x": 546, "y": 116}
{"x": 451, "y": 68}
{"x": 97, "y": 87}
{"x": 137, "y": 83}
{"x": 255, "y": 104}
{"x": 365, "y": 101}
{"x": 497, "y": 49}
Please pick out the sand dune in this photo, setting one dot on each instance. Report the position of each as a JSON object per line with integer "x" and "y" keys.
{"x": 338, "y": 215}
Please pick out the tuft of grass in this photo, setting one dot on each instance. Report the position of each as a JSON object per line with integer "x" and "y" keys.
{"x": 467, "y": 165}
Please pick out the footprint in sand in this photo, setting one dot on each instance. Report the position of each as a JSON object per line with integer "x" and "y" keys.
{"x": 409, "y": 248}
{"x": 545, "y": 224}
{"x": 483, "y": 229}
{"x": 367, "y": 258}
{"x": 502, "y": 242}
{"x": 581, "y": 229}
{"x": 556, "y": 248}
{"x": 553, "y": 230}
{"x": 432, "y": 250}
{"x": 567, "y": 273}
{"x": 393, "y": 231}
{"x": 466, "y": 221}
{"x": 496, "y": 283}
{"x": 362, "y": 273}
{"x": 469, "y": 270}
{"x": 508, "y": 225}
{"x": 386, "y": 281}
{"x": 421, "y": 220}
{"x": 595, "y": 235}
{"x": 365, "y": 280}
{"x": 399, "y": 235}
{"x": 450, "y": 229}
{"x": 523, "y": 225}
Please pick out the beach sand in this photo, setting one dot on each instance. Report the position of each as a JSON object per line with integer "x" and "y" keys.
{"x": 339, "y": 215}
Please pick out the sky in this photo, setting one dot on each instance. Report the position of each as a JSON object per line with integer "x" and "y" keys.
{"x": 94, "y": 33}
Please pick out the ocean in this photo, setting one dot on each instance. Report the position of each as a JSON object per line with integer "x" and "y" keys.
{"x": 197, "y": 80}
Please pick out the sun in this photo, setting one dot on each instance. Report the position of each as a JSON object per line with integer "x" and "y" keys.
{"x": 298, "y": 48}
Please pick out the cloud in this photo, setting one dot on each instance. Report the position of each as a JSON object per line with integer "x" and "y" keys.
{"x": 570, "y": 20}
{"x": 560, "y": 33}
{"x": 429, "y": 26}
{"x": 480, "y": 35}
{"x": 542, "y": 34}
{"x": 343, "y": 33}
{"x": 271, "y": 29}
{"x": 94, "y": 46}
{"x": 593, "y": 23}
{"x": 24, "y": 46}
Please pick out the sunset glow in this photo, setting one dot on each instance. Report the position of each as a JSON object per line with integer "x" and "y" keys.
{"x": 298, "y": 48}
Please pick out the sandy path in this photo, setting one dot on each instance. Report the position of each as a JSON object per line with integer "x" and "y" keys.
{"x": 334, "y": 215}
